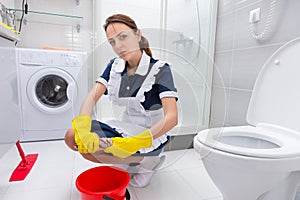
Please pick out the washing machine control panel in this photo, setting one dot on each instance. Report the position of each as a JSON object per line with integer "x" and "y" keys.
{"x": 71, "y": 59}
{"x": 51, "y": 58}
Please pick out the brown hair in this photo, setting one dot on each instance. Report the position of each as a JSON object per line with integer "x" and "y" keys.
{"x": 124, "y": 19}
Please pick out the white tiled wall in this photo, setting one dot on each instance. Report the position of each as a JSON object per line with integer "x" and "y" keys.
{"x": 239, "y": 57}
{"x": 54, "y": 26}
{"x": 8, "y": 3}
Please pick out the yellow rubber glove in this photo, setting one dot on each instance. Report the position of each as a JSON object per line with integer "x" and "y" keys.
{"x": 86, "y": 141}
{"x": 125, "y": 147}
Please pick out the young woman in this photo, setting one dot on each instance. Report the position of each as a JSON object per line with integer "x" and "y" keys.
{"x": 145, "y": 87}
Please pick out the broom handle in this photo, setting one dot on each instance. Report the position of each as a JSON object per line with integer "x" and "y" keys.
{"x": 21, "y": 152}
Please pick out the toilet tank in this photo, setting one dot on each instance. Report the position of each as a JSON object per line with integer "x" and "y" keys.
{"x": 276, "y": 94}
{"x": 10, "y": 123}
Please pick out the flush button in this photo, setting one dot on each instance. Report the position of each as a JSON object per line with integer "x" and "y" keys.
{"x": 276, "y": 62}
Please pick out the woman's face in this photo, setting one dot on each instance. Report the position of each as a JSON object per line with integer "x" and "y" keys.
{"x": 124, "y": 41}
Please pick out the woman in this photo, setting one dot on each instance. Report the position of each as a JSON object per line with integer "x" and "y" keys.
{"x": 145, "y": 87}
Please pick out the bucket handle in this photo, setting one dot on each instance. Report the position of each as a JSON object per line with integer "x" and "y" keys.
{"x": 127, "y": 195}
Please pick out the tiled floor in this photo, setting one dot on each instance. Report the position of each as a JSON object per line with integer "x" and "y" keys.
{"x": 53, "y": 176}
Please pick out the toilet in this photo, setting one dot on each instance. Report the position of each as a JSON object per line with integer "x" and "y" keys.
{"x": 261, "y": 160}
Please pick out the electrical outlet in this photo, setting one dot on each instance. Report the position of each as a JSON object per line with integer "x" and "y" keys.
{"x": 254, "y": 16}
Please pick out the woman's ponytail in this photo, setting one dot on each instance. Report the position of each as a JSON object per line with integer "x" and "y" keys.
{"x": 144, "y": 45}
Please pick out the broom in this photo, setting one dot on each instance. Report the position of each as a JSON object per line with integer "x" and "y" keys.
{"x": 25, "y": 165}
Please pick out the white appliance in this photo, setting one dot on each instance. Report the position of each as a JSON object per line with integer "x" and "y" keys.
{"x": 10, "y": 124}
{"x": 52, "y": 87}
{"x": 261, "y": 161}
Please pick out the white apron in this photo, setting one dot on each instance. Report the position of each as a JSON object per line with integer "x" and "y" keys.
{"x": 135, "y": 118}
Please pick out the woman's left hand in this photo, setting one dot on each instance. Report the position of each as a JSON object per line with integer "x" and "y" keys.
{"x": 125, "y": 147}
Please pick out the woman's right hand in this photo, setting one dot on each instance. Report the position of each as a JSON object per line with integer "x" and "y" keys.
{"x": 86, "y": 141}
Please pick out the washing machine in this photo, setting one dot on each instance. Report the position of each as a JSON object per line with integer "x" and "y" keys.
{"x": 52, "y": 85}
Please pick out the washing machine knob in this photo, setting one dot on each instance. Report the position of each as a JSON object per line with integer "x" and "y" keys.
{"x": 73, "y": 61}
{"x": 68, "y": 62}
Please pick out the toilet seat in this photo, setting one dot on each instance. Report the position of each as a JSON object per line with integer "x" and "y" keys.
{"x": 280, "y": 143}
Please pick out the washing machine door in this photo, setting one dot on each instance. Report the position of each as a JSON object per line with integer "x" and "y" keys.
{"x": 51, "y": 90}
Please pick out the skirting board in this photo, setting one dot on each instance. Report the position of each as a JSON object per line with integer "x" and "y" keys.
{"x": 180, "y": 142}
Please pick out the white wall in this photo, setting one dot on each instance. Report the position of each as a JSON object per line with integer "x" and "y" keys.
{"x": 8, "y": 3}
{"x": 239, "y": 57}
{"x": 54, "y": 27}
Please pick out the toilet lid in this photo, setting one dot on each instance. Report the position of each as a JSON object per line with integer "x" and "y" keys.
{"x": 276, "y": 94}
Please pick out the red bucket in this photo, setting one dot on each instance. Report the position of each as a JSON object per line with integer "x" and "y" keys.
{"x": 104, "y": 182}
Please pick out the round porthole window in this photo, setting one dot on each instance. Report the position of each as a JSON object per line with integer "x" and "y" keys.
{"x": 51, "y": 90}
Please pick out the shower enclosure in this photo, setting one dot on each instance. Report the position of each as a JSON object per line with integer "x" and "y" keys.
{"x": 181, "y": 32}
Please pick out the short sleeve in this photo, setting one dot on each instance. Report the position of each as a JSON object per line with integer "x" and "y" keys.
{"x": 165, "y": 83}
{"x": 104, "y": 78}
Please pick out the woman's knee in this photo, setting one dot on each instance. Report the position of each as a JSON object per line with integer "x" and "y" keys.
{"x": 70, "y": 139}
{"x": 91, "y": 157}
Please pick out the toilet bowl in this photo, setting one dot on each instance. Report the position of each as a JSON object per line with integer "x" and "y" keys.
{"x": 261, "y": 160}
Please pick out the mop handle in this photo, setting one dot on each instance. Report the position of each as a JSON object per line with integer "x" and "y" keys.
{"x": 21, "y": 152}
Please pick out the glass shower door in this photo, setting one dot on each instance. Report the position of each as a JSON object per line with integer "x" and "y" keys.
{"x": 188, "y": 43}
